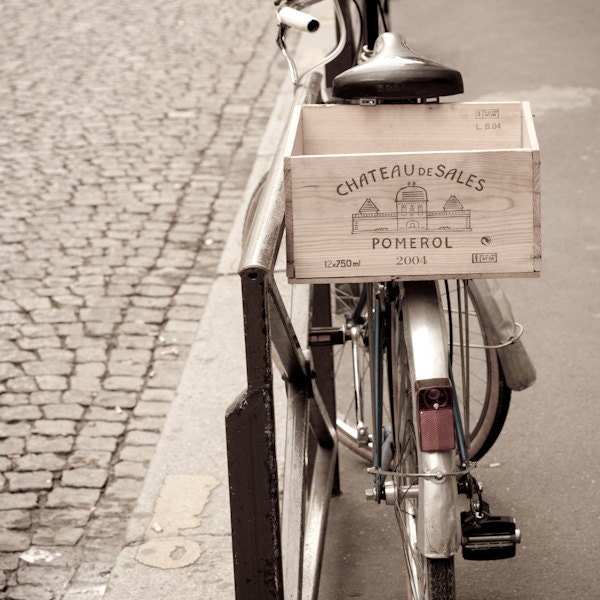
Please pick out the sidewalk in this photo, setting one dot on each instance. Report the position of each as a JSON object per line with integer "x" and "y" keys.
{"x": 179, "y": 541}
{"x": 127, "y": 134}
{"x": 179, "y": 536}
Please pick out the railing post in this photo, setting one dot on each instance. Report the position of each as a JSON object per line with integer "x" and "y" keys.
{"x": 251, "y": 454}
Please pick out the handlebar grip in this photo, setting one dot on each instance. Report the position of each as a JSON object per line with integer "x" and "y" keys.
{"x": 297, "y": 19}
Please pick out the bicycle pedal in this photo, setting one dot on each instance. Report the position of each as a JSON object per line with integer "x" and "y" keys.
{"x": 326, "y": 336}
{"x": 488, "y": 537}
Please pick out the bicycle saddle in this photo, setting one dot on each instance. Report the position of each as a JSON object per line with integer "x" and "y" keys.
{"x": 395, "y": 72}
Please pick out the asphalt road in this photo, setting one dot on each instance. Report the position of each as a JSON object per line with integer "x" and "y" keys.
{"x": 545, "y": 469}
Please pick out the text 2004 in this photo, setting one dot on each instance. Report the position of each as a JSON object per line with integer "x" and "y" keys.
{"x": 411, "y": 260}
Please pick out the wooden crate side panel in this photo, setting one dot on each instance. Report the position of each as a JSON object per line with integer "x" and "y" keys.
{"x": 289, "y": 217}
{"x": 344, "y": 129}
{"x": 532, "y": 142}
{"x": 295, "y": 147}
{"x": 413, "y": 215}
{"x": 529, "y": 134}
{"x": 537, "y": 210}
{"x": 297, "y": 139}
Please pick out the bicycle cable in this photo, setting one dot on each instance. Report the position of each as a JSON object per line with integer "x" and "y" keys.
{"x": 382, "y": 15}
{"x": 361, "y": 35}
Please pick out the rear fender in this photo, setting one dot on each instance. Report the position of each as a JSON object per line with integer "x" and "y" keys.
{"x": 496, "y": 312}
{"x": 438, "y": 533}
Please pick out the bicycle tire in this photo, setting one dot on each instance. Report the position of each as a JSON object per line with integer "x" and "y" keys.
{"x": 442, "y": 581}
{"x": 490, "y": 408}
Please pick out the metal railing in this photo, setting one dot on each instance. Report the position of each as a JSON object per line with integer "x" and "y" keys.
{"x": 274, "y": 547}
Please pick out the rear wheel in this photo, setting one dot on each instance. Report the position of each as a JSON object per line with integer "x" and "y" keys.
{"x": 482, "y": 392}
{"x": 428, "y": 578}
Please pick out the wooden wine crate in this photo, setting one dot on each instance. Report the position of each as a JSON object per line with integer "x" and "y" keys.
{"x": 429, "y": 191}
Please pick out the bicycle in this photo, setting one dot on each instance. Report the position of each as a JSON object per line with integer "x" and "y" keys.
{"x": 421, "y": 349}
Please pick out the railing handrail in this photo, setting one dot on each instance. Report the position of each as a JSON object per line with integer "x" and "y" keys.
{"x": 264, "y": 239}
{"x": 265, "y": 555}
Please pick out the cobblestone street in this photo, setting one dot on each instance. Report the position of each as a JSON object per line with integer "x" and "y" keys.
{"x": 127, "y": 132}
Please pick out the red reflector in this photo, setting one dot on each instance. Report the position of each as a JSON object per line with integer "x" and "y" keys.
{"x": 436, "y": 415}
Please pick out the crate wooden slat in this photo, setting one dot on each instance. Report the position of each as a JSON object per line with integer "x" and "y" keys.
{"x": 413, "y": 192}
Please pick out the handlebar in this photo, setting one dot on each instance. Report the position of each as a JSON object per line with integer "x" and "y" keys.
{"x": 290, "y": 17}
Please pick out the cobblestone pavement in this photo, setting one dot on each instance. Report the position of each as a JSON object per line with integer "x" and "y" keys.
{"x": 127, "y": 131}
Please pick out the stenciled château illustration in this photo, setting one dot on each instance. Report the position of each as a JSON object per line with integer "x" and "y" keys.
{"x": 412, "y": 213}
